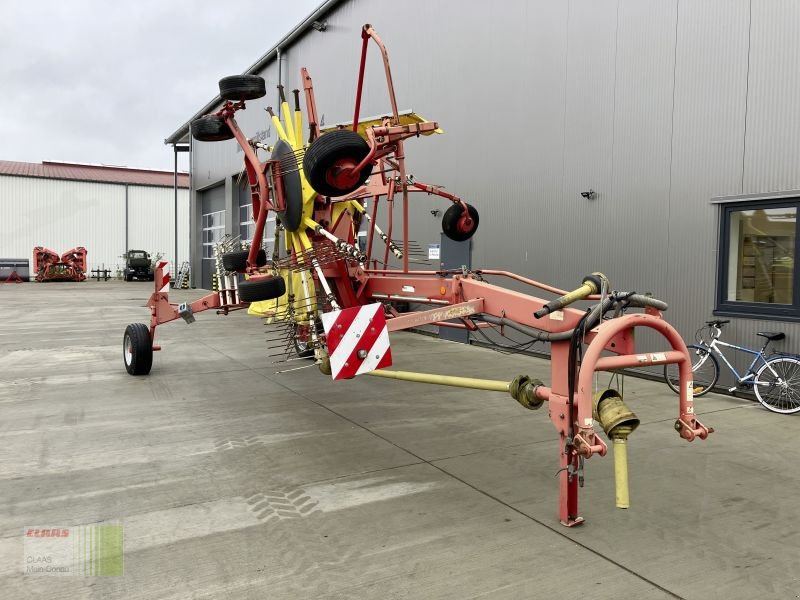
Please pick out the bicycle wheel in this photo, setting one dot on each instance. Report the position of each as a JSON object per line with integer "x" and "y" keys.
{"x": 777, "y": 385}
{"x": 705, "y": 372}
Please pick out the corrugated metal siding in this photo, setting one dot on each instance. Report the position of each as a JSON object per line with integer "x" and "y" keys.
{"x": 151, "y": 221}
{"x": 631, "y": 233}
{"x": 707, "y": 148}
{"x": 772, "y": 156}
{"x": 61, "y": 215}
{"x": 643, "y": 101}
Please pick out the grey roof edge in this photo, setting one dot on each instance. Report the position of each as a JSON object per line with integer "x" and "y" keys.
{"x": 180, "y": 134}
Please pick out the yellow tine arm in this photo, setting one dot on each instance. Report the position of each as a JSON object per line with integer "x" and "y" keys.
{"x": 287, "y": 118}
{"x": 279, "y": 129}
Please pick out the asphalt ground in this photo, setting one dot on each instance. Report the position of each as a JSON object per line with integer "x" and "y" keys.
{"x": 232, "y": 481}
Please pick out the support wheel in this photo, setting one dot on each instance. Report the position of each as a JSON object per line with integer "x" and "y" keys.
{"x": 705, "y": 372}
{"x": 302, "y": 341}
{"x": 237, "y": 261}
{"x": 777, "y": 385}
{"x": 329, "y": 159}
{"x": 211, "y": 128}
{"x": 242, "y": 87}
{"x": 263, "y": 288}
{"x": 137, "y": 349}
{"x": 450, "y": 223}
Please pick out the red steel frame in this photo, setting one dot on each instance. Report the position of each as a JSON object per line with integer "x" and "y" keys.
{"x": 459, "y": 295}
{"x": 49, "y": 266}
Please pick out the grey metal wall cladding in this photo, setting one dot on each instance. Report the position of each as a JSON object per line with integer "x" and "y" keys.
{"x": 772, "y": 150}
{"x": 644, "y": 101}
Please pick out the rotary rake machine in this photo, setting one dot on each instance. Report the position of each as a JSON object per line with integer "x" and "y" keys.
{"x": 49, "y": 266}
{"x": 336, "y": 302}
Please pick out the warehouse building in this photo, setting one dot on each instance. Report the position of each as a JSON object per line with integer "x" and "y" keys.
{"x": 653, "y": 140}
{"x": 107, "y": 210}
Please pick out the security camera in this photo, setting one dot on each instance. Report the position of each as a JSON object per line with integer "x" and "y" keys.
{"x": 588, "y": 195}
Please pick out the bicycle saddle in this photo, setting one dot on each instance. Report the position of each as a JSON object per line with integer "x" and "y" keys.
{"x": 772, "y": 335}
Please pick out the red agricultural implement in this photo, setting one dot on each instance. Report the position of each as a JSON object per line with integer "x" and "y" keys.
{"x": 338, "y": 303}
{"x": 49, "y": 266}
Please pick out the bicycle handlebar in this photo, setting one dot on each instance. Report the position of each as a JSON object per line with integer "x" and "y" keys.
{"x": 716, "y": 323}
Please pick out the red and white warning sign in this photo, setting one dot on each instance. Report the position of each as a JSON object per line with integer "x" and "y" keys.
{"x": 358, "y": 340}
{"x": 164, "y": 287}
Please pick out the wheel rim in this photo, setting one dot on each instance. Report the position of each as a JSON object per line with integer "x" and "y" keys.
{"x": 342, "y": 174}
{"x": 301, "y": 338}
{"x": 782, "y": 392}
{"x": 127, "y": 347}
{"x": 703, "y": 372}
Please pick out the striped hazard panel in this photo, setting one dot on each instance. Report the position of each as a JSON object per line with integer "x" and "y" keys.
{"x": 358, "y": 340}
{"x": 165, "y": 278}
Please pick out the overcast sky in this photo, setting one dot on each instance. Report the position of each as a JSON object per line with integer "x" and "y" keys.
{"x": 105, "y": 82}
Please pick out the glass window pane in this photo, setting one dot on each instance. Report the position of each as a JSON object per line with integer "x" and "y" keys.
{"x": 761, "y": 255}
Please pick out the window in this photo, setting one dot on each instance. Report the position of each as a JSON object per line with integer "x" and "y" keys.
{"x": 758, "y": 274}
{"x": 213, "y": 231}
{"x": 247, "y": 227}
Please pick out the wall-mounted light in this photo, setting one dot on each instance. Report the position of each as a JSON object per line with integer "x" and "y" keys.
{"x": 319, "y": 25}
{"x": 590, "y": 195}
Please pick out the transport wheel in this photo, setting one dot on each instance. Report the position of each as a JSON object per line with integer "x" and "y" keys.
{"x": 211, "y": 129}
{"x": 242, "y": 87}
{"x": 330, "y": 157}
{"x": 777, "y": 385}
{"x": 237, "y": 261}
{"x": 292, "y": 186}
{"x": 264, "y": 288}
{"x": 137, "y": 349}
{"x": 127, "y": 277}
{"x": 705, "y": 372}
{"x": 450, "y": 222}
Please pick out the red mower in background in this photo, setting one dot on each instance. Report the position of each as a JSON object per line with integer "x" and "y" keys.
{"x": 335, "y": 302}
{"x": 49, "y": 266}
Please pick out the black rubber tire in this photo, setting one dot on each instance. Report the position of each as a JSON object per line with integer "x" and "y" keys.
{"x": 450, "y": 222}
{"x": 325, "y": 151}
{"x": 292, "y": 217}
{"x": 127, "y": 277}
{"x": 237, "y": 261}
{"x": 211, "y": 129}
{"x": 262, "y": 289}
{"x": 137, "y": 349}
{"x": 705, "y": 369}
{"x": 242, "y": 87}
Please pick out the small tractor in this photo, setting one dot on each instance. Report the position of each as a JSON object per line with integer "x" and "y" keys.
{"x": 138, "y": 266}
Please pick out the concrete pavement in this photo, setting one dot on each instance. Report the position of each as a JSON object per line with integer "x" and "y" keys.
{"x": 233, "y": 482}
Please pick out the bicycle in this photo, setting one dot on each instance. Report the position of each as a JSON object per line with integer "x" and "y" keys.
{"x": 774, "y": 378}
